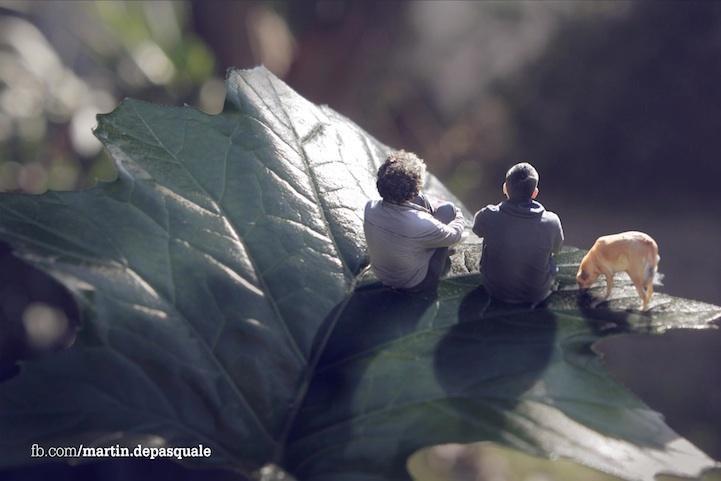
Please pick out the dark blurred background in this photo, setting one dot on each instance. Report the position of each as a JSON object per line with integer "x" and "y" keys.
{"x": 617, "y": 104}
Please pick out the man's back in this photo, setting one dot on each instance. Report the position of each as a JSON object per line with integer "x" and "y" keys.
{"x": 402, "y": 238}
{"x": 518, "y": 242}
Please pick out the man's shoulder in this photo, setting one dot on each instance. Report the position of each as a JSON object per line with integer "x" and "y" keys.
{"x": 552, "y": 217}
{"x": 373, "y": 207}
{"x": 490, "y": 210}
{"x": 400, "y": 219}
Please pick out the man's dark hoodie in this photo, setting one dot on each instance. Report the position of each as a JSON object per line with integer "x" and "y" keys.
{"x": 519, "y": 241}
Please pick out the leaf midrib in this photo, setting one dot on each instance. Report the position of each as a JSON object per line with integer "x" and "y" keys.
{"x": 315, "y": 359}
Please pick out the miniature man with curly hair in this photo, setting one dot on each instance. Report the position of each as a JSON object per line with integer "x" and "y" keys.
{"x": 407, "y": 235}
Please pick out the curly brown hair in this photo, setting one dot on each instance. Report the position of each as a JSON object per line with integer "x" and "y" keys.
{"x": 400, "y": 177}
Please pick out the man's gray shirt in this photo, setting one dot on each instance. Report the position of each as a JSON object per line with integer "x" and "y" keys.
{"x": 402, "y": 238}
{"x": 519, "y": 240}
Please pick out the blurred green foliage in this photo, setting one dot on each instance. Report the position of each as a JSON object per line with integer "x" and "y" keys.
{"x": 64, "y": 62}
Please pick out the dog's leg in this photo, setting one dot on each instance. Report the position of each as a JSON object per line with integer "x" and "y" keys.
{"x": 648, "y": 287}
{"x": 609, "y": 283}
{"x": 649, "y": 293}
{"x": 642, "y": 295}
{"x": 650, "y": 273}
{"x": 640, "y": 288}
{"x": 609, "y": 286}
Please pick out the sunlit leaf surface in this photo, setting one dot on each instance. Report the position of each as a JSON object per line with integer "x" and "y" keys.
{"x": 225, "y": 302}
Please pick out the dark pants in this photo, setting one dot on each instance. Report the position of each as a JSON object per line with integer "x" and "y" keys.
{"x": 439, "y": 263}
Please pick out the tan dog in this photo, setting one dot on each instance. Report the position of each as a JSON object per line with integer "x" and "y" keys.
{"x": 635, "y": 253}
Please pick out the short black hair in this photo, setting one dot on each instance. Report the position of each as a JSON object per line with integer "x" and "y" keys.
{"x": 400, "y": 177}
{"x": 521, "y": 181}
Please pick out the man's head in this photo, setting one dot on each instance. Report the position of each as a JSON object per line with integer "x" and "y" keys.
{"x": 521, "y": 182}
{"x": 400, "y": 177}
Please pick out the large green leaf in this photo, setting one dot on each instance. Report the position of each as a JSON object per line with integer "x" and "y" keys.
{"x": 225, "y": 301}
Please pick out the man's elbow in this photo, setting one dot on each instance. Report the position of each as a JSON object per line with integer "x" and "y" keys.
{"x": 448, "y": 238}
{"x": 457, "y": 235}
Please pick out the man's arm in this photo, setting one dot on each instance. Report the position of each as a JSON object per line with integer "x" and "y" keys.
{"x": 558, "y": 238}
{"x": 438, "y": 234}
{"x": 479, "y": 222}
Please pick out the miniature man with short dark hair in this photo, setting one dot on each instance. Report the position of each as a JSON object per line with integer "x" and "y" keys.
{"x": 520, "y": 239}
{"x": 408, "y": 235}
